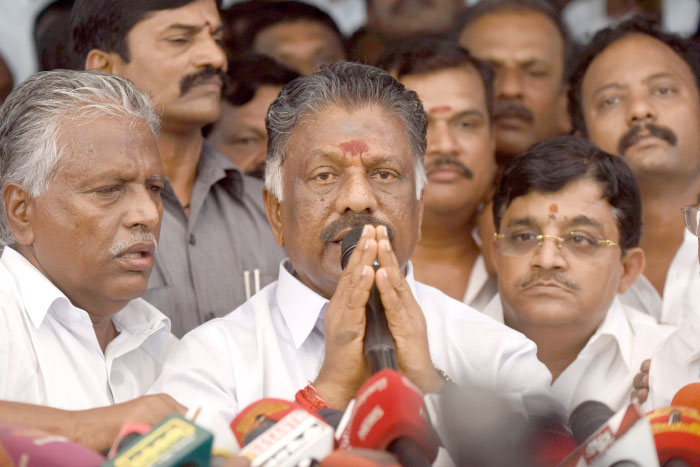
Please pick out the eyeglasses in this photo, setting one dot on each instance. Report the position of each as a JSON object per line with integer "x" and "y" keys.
{"x": 691, "y": 214}
{"x": 521, "y": 242}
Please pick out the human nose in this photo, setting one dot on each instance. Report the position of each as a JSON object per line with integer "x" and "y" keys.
{"x": 548, "y": 254}
{"x": 509, "y": 83}
{"x": 640, "y": 109}
{"x": 210, "y": 53}
{"x": 145, "y": 209}
{"x": 441, "y": 141}
{"x": 356, "y": 193}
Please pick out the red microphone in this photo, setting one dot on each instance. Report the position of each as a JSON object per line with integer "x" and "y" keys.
{"x": 676, "y": 434}
{"x": 389, "y": 414}
{"x": 360, "y": 458}
{"x": 687, "y": 396}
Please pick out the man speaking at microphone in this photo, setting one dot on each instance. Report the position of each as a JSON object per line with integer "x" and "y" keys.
{"x": 345, "y": 149}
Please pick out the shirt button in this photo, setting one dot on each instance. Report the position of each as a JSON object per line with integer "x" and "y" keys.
{"x": 209, "y": 316}
{"x": 117, "y": 378}
{"x": 192, "y": 240}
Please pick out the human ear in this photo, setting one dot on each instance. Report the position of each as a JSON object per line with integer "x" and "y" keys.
{"x": 274, "y": 217}
{"x": 99, "y": 60}
{"x": 19, "y": 206}
{"x": 632, "y": 267}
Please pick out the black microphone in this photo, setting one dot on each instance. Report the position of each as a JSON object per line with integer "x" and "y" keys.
{"x": 380, "y": 350}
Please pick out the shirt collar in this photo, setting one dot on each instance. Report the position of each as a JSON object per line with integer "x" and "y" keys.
{"x": 614, "y": 327}
{"x": 302, "y": 308}
{"x": 38, "y": 293}
{"x": 214, "y": 167}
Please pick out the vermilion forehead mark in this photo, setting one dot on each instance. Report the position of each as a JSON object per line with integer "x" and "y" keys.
{"x": 355, "y": 148}
{"x": 553, "y": 207}
{"x": 439, "y": 108}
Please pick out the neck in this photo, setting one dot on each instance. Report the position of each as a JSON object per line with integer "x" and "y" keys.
{"x": 105, "y": 330}
{"x": 180, "y": 150}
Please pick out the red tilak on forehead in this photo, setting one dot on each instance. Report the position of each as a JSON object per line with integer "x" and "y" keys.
{"x": 354, "y": 147}
{"x": 553, "y": 207}
{"x": 439, "y": 108}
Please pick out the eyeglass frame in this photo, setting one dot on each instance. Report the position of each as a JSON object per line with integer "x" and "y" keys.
{"x": 558, "y": 241}
{"x": 686, "y": 210}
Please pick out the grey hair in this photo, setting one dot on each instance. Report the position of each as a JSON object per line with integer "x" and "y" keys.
{"x": 347, "y": 85}
{"x": 30, "y": 118}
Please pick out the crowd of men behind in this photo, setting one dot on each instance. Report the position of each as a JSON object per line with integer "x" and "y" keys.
{"x": 174, "y": 194}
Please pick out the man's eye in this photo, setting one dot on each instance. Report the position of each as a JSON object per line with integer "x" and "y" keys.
{"x": 610, "y": 101}
{"x": 385, "y": 175}
{"x": 178, "y": 40}
{"x": 156, "y": 188}
{"x": 108, "y": 190}
{"x": 521, "y": 237}
{"x": 664, "y": 90}
{"x": 324, "y": 177}
{"x": 581, "y": 240}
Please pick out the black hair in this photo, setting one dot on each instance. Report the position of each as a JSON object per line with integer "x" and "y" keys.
{"x": 52, "y": 35}
{"x": 427, "y": 53}
{"x": 486, "y": 7}
{"x": 550, "y": 165}
{"x": 270, "y": 13}
{"x": 105, "y": 24}
{"x": 639, "y": 24}
{"x": 248, "y": 72}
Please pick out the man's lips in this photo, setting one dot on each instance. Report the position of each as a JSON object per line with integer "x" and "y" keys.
{"x": 138, "y": 257}
{"x": 547, "y": 285}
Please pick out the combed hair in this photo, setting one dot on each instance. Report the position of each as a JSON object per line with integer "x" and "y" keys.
{"x": 350, "y": 86}
{"x": 427, "y": 53}
{"x": 247, "y": 72}
{"x": 105, "y": 24}
{"x": 486, "y": 7}
{"x": 30, "y": 119}
{"x": 604, "y": 38}
{"x": 550, "y": 165}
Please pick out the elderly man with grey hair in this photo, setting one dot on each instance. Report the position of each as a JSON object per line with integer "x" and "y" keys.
{"x": 80, "y": 212}
{"x": 345, "y": 149}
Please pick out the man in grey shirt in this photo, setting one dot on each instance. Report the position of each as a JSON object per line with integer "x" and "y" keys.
{"x": 216, "y": 245}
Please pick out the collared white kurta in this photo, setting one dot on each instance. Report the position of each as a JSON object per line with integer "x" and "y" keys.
{"x": 273, "y": 345}
{"x": 49, "y": 354}
{"x": 606, "y": 366}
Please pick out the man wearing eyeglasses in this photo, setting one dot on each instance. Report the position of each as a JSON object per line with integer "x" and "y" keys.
{"x": 568, "y": 221}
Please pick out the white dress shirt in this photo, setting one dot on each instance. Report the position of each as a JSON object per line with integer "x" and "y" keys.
{"x": 273, "y": 345}
{"x": 481, "y": 288}
{"x": 607, "y": 364}
{"x": 679, "y": 305}
{"x": 675, "y": 364}
{"x": 49, "y": 354}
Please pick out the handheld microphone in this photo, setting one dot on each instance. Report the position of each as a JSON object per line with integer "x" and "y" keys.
{"x": 298, "y": 437}
{"x": 173, "y": 442}
{"x": 258, "y": 417}
{"x": 379, "y": 347}
{"x": 29, "y": 447}
{"x": 624, "y": 439}
{"x": 389, "y": 414}
{"x": 677, "y": 435}
{"x": 688, "y": 396}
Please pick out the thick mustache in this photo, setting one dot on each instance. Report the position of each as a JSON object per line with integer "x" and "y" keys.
{"x": 632, "y": 136}
{"x": 351, "y": 220}
{"x": 512, "y": 109}
{"x": 554, "y": 276}
{"x": 207, "y": 73}
{"x": 143, "y": 236}
{"x": 400, "y": 5}
{"x": 461, "y": 168}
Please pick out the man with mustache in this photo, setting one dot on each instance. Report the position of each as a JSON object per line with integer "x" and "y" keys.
{"x": 529, "y": 48}
{"x": 346, "y": 150}
{"x": 217, "y": 248}
{"x": 635, "y": 94}
{"x": 80, "y": 211}
{"x": 456, "y": 93}
{"x": 568, "y": 218}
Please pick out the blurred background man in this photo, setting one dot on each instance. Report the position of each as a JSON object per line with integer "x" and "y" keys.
{"x": 239, "y": 133}
{"x": 456, "y": 93}
{"x": 635, "y": 94}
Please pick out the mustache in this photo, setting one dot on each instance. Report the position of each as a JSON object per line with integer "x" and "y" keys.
{"x": 512, "y": 108}
{"x": 204, "y": 75}
{"x": 457, "y": 164}
{"x": 399, "y": 5}
{"x": 142, "y": 236}
{"x": 352, "y": 220}
{"x": 550, "y": 275}
{"x": 632, "y": 136}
